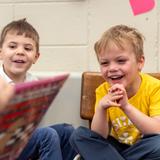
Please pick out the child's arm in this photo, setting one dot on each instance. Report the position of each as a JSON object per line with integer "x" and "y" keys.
{"x": 6, "y": 93}
{"x": 144, "y": 123}
{"x": 100, "y": 123}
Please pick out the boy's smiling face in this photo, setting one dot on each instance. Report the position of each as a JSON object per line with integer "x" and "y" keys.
{"x": 121, "y": 66}
{"x": 18, "y": 53}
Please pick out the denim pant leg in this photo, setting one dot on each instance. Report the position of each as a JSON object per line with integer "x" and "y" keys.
{"x": 44, "y": 144}
{"x": 148, "y": 148}
{"x": 92, "y": 146}
{"x": 64, "y": 131}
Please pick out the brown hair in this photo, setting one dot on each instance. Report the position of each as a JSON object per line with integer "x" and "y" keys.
{"x": 119, "y": 35}
{"x": 20, "y": 27}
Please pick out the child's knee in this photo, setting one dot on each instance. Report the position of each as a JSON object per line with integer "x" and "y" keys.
{"x": 47, "y": 134}
{"x": 78, "y": 133}
{"x": 64, "y": 129}
{"x": 153, "y": 144}
{"x": 68, "y": 129}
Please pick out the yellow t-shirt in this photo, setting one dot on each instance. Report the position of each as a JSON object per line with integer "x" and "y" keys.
{"x": 147, "y": 100}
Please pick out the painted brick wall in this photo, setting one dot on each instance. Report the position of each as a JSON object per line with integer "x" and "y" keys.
{"x": 69, "y": 28}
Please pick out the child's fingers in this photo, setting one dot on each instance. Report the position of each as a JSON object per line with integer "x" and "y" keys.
{"x": 117, "y": 87}
{"x": 116, "y": 98}
{"x": 114, "y": 103}
{"x": 7, "y": 92}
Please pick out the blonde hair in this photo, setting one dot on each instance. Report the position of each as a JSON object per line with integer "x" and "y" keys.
{"x": 20, "y": 27}
{"x": 119, "y": 35}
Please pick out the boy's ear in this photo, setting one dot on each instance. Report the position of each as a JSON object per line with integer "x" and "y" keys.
{"x": 36, "y": 58}
{"x": 141, "y": 61}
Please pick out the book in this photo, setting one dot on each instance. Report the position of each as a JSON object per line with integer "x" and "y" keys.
{"x": 22, "y": 115}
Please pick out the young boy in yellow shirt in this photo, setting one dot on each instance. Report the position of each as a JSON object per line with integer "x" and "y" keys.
{"x": 126, "y": 123}
{"x": 19, "y": 49}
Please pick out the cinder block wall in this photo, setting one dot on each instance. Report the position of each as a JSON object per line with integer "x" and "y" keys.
{"x": 68, "y": 30}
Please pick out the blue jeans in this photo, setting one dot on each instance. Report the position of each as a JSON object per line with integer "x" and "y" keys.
{"x": 49, "y": 143}
{"x": 92, "y": 146}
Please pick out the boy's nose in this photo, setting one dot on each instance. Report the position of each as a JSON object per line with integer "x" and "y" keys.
{"x": 20, "y": 51}
{"x": 113, "y": 67}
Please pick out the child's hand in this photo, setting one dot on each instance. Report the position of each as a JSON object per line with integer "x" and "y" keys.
{"x": 112, "y": 98}
{"x": 7, "y": 92}
{"x": 119, "y": 92}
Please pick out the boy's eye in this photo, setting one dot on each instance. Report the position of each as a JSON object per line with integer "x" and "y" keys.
{"x": 104, "y": 63}
{"x": 28, "y": 49}
{"x": 12, "y": 46}
{"x": 121, "y": 61}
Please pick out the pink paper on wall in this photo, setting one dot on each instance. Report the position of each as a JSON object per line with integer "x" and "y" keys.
{"x": 141, "y": 6}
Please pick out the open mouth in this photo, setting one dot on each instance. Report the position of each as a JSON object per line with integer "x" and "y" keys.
{"x": 116, "y": 77}
{"x": 19, "y": 61}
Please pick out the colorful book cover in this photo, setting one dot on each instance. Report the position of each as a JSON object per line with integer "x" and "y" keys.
{"x": 24, "y": 112}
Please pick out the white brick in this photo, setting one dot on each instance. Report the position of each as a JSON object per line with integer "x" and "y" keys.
{"x": 62, "y": 59}
{"x": 58, "y": 23}
{"x": 7, "y": 10}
